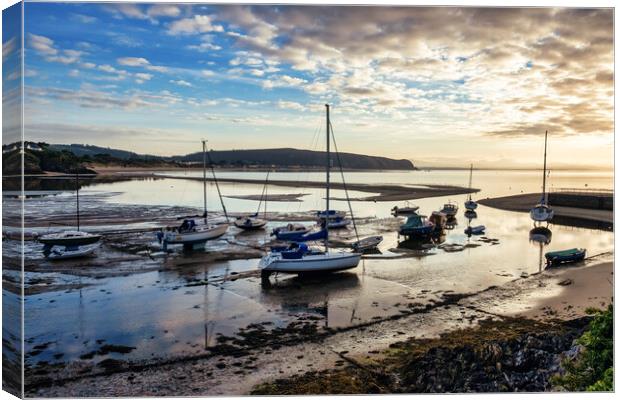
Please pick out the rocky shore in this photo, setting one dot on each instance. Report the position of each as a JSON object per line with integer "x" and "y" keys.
{"x": 511, "y": 355}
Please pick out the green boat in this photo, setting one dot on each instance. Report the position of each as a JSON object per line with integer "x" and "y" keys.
{"x": 565, "y": 256}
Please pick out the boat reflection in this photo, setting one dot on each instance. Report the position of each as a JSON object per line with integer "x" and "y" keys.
{"x": 540, "y": 236}
{"x": 470, "y": 214}
{"x": 451, "y": 223}
{"x": 424, "y": 244}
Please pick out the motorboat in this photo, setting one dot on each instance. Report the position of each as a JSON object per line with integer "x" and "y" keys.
{"x": 303, "y": 262}
{"x": 439, "y": 219}
{"x": 565, "y": 256}
{"x": 541, "y": 212}
{"x": 73, "y": 251}
{"x": 368, "y": 243}
{"x": 450, "y": 209}
{"x": 416, "y": 226}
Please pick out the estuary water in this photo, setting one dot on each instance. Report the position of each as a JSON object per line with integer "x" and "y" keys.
{"x": 161, "y": 312}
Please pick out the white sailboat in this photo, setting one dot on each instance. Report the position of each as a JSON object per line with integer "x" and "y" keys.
{"x": 70, "y": 238}
{"x": 196, "y": 230}
{"x": 470, "y": 204}
{"x": 542, "y": 212}
{"x": 300, "y": 259}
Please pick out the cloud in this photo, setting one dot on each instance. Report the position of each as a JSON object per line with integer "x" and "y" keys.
{"x": 85, "y": 19}
{"x": 132, "y": 61}
{"x": 290, "y": 105}
{"x": 181, "y": 83}
{"x": 142, "y": 77}
{"x": 196, "y": 24}
{"x": 164, "y": 10}
{"x": 42, "y": 45}
{"x": 89, "y": 98}
{"x": 126, "y": 10}
{"x": 9, "y": 47}
{"x": 74, "y": 73}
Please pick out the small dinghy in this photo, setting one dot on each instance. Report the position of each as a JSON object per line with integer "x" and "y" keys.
{"x": 330, "y": 214}
{"x": 475, "y": 230}
{"x": 250, "y": 222}
{"x": 366, "y": 244}
{"x": 565, "y": 256}
{"x": 65, "y": 252}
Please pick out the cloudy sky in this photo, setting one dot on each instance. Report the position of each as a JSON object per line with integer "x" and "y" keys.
{"x": 440, "y": 86}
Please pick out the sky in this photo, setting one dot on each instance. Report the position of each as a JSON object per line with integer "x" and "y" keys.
{"x": 439, "y": 86}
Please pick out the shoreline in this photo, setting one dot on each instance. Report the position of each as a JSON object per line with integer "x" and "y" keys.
{"x": 291, "y": 355}
{"x": 602, "y": 219}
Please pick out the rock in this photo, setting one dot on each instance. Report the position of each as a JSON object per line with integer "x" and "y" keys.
{"x": 566, "y": 282}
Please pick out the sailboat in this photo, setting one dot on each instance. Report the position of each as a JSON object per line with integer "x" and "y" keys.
{"x": 301, "y": 259}
{"x": 470, "y": 204}
{"x": 252, "y": 222}
{"x": 70, "y": 238}
{"x": 542, "y": 212}
{"x": 196, "y": 230}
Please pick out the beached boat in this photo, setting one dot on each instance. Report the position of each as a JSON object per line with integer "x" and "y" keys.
{"x": 253, "y": 222}
{"x": 475, "y": 230}
{"x": 338, "y": 223}
{"x": 330, "y": 214}
{"x": 439, "y": 219}
{"x": 290, "y": 231}
{"x": 306, "y": 262}
{"x": 407, "y": 210}
{"x": 196, "y": 230}
{"x": 368, "y": 243}
{"x": 470, "y": 205}
{"x": 65, "y": 252}
{"x": 70, "y": 238}
{"x": 416, "y": 226}
{"x": 250, "y": 222}
{"x": 565, "y": 256}
{"x": 450, "y": 209}
{"x": 541, "y": 212}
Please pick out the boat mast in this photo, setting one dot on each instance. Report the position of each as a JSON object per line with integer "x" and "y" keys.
{"x": 471, "y": 171}
{"x": 544, "y": 172}
{"x": 327, "y": 183}
{"x": 204, "y": 178}
{"x": 77, "y": 193}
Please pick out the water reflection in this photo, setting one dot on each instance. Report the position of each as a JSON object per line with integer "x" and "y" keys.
{"x": 540, "y": 236}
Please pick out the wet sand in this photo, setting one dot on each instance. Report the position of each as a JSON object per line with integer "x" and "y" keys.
{"x": 524, "y": 202}
{"x": 302, "y": 348}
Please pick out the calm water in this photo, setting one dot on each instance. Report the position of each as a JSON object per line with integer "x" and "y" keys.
{"x": 160, "y": 316}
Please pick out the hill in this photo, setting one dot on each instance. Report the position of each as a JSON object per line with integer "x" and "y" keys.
{"x": 288, "y": 157}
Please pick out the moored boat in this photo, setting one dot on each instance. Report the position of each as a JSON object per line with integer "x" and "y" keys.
{"x": 475, "y": 230}
{"x": 290, "y": 231}
{"x": 250, "y": 222}
{"x": 368, "y": 243}
{"x": 416, "y": 226}
{"x": 541, "y": 212}
{"x": 407, "y": 210}
{"x": 450, "y": 209}
{"x": 565, "y": 256}
{"x": 470, "y": 205}
{"x": 74, "y": 251}
{"x": 194, "y": 231}
{"x": 69, "y": 238}
{"x": 310, "y": 262}
{"x": 439, "y": 219}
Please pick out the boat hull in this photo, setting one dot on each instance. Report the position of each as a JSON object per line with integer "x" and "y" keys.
{"x": 254, "y": 224}
{"x": 327, "y": 262}
{"x": 202, "y": 234}
{"x": 568, "y": 256}
{"x": 471, "y": 205}
{"x": 541, "y": 213}
{"x": 60, "y": 253}
{"x": 51, "y": 240}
